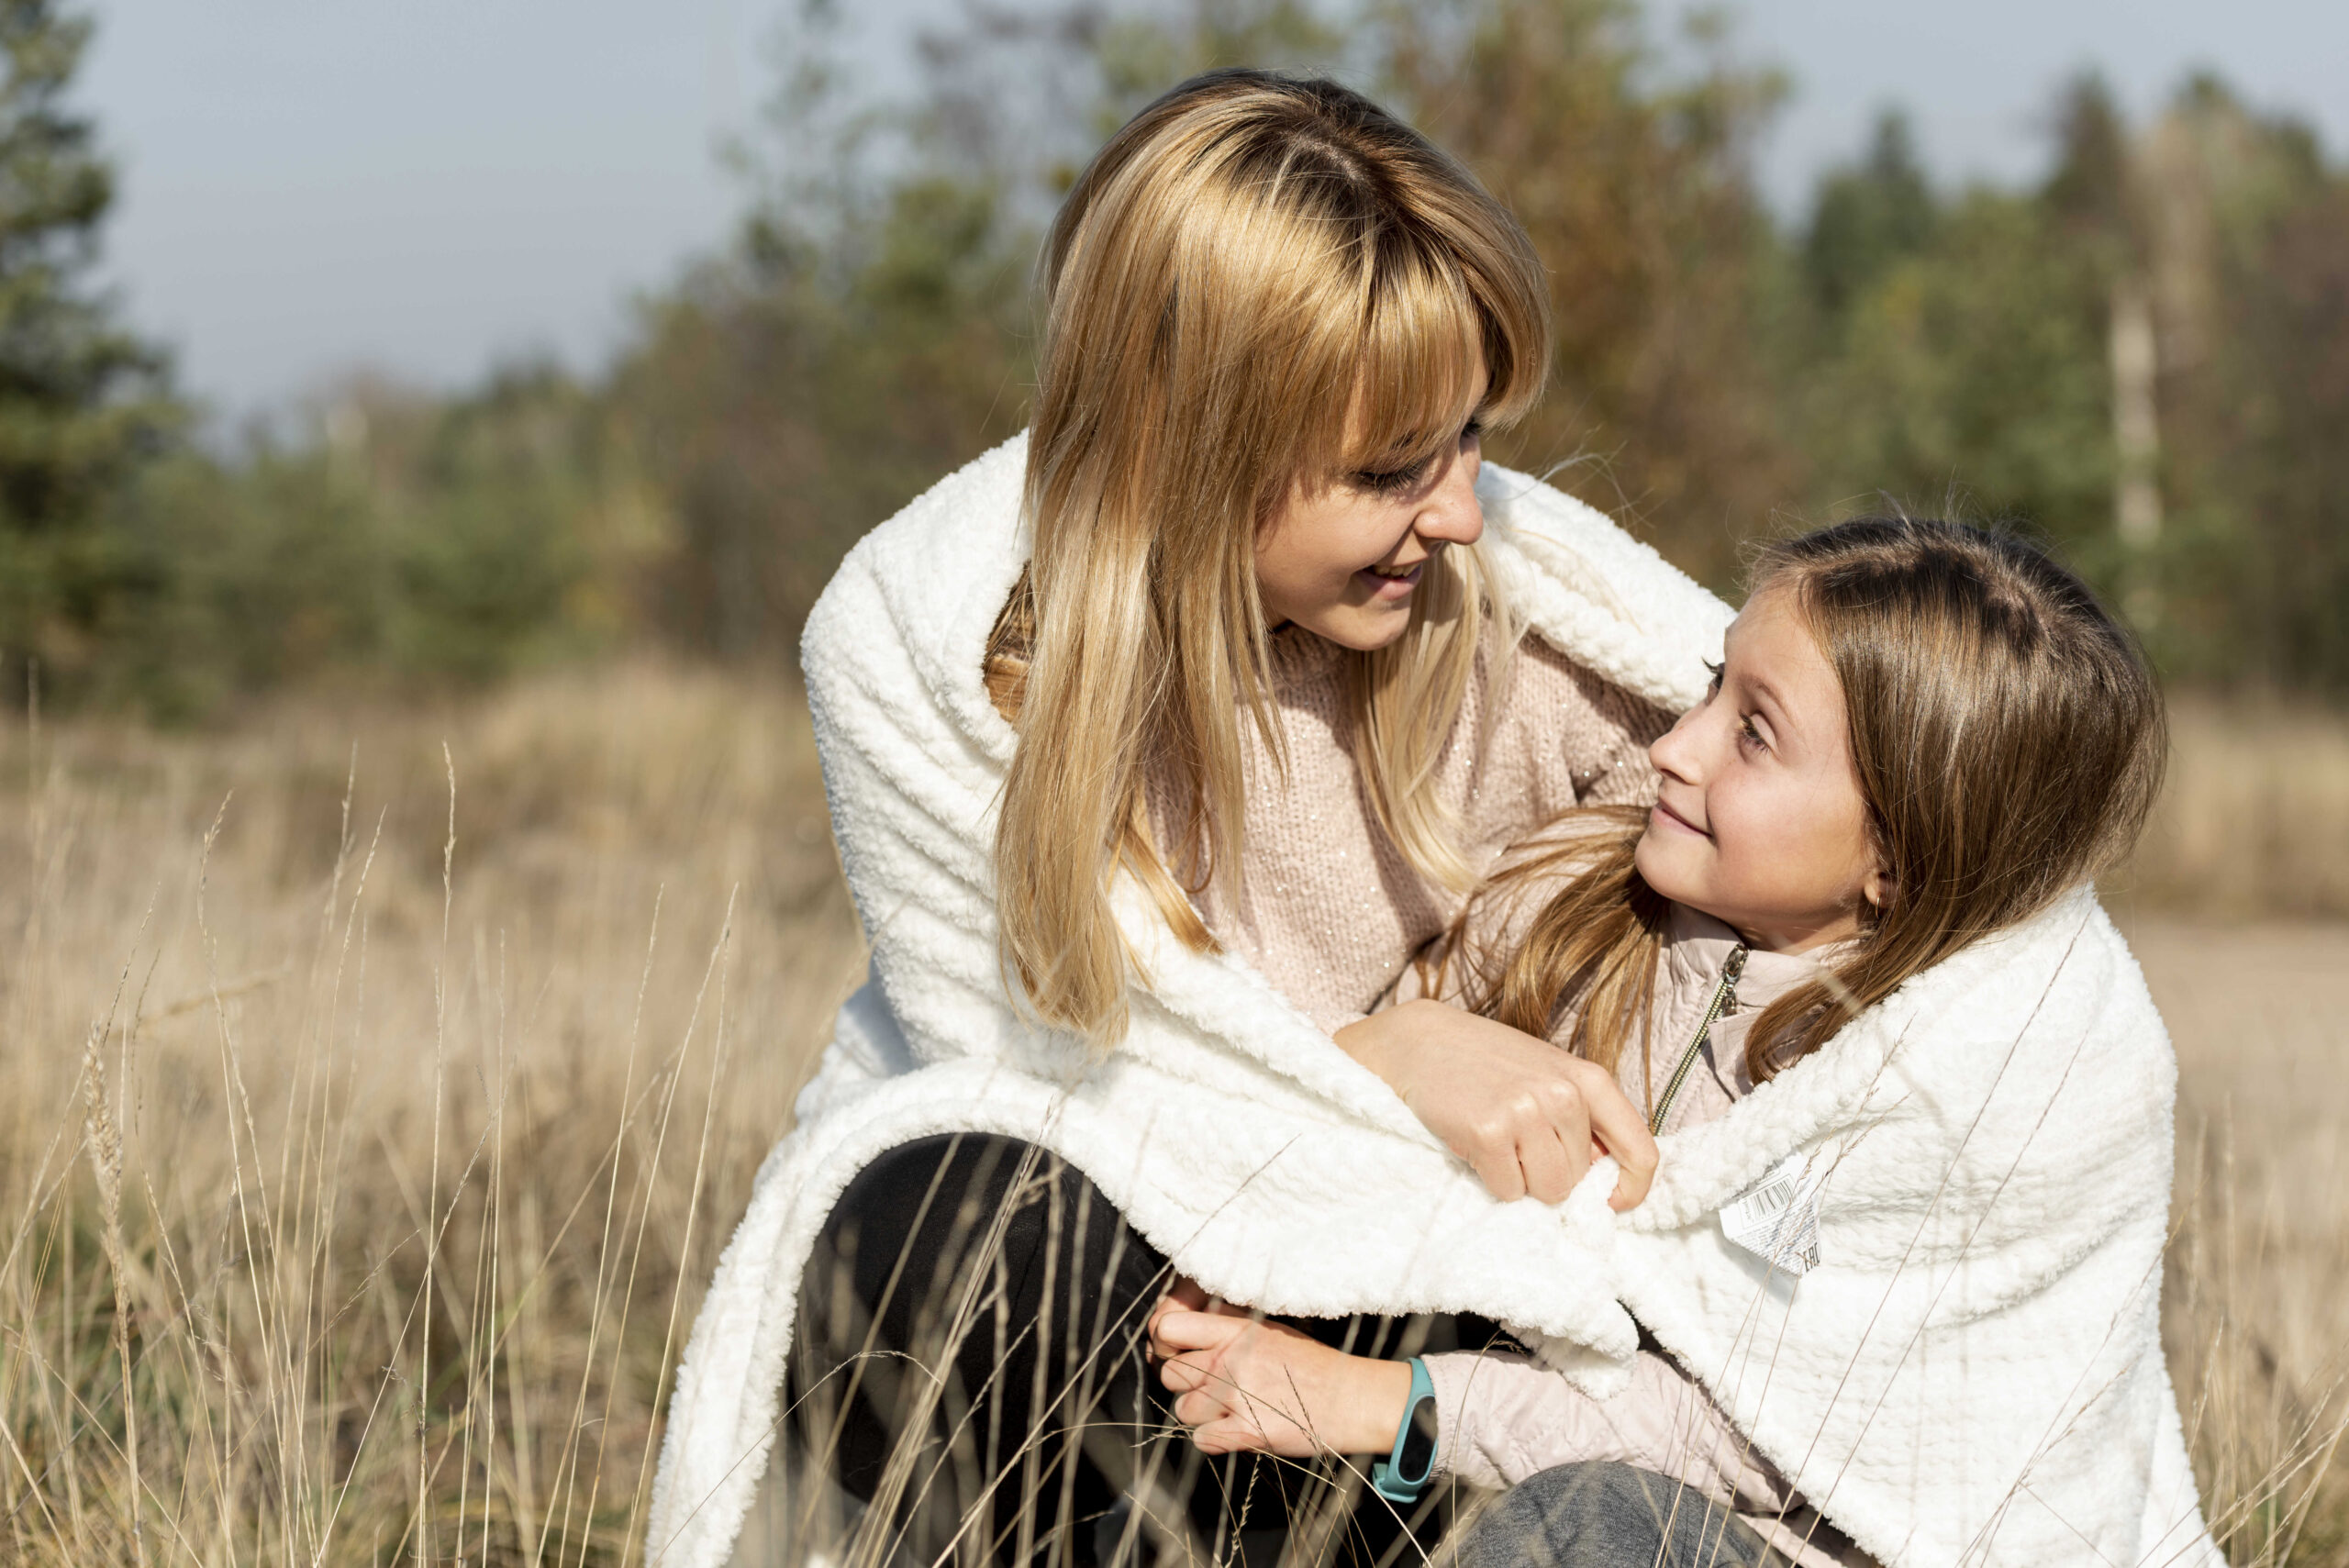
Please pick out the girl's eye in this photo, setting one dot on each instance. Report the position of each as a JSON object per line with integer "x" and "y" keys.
{"x": 1746, "y": 734}
{"x": 1715, "y": 672}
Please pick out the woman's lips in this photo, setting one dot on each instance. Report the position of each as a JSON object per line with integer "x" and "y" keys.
{"x": 1665, "y": 816}
{"x": 1381, "y": 586}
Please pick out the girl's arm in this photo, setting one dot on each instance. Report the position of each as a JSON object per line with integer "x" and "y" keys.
{"x": 1248, "y": 1385}
{"x": 1527, "y": 1117}
{"x": 1244, "y": 1384}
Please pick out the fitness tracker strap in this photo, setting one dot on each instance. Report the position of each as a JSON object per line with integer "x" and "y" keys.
{"x": 1402, "y": 1475}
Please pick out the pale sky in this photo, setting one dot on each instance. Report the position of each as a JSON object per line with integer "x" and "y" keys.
{"x": 422, "y": 187}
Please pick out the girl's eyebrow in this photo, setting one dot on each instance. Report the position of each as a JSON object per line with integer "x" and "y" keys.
{"x": 1767, "y": 696}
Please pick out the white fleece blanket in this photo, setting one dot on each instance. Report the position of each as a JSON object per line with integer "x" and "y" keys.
{"x": 1972, "y": 1374}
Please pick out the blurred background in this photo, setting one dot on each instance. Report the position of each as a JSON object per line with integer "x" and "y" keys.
{"x": 424, "y": 429}
{"x": 427, "y": 344}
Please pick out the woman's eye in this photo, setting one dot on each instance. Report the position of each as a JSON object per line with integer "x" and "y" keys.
{"x": 1714, "y": 684}
{"x": 1388, "y": 482}
{"x": 1473, "y": 431}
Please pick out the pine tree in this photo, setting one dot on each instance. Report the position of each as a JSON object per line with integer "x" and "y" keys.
{"x": 81, "y": 399}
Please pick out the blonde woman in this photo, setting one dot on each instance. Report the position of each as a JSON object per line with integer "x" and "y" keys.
{"x": 1157, "y": 744}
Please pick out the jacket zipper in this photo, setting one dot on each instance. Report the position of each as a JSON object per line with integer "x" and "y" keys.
{"x": 1724, "y": 998}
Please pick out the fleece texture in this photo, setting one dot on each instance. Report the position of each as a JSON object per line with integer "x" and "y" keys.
{"x": 1973, "y": 1374}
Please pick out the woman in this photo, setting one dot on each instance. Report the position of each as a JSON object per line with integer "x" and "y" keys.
{"x": 1156, "y": 746}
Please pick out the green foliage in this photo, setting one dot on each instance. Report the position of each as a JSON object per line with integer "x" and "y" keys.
{"x": 419, "y": 541}
{"x": 1967, "y": 375}
{"x": 1867, "y": 219}
{"x": 82, "y": 401}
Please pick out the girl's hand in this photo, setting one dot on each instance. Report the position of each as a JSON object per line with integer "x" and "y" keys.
{"x": 1527, "y": 1117}
{"x": 1247, "y": 1386}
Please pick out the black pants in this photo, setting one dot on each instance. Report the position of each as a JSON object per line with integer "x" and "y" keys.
{"x": 971, "y": 1361}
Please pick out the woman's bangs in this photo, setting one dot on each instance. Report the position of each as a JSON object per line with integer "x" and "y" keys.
{"x": 1418, "y": 371}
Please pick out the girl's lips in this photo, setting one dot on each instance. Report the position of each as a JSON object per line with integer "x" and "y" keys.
{"x": 1665, "y": 816}
{"x": 1384, "y": 587}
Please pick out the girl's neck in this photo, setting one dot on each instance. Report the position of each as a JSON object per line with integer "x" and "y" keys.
{"x": 1794, "y": 940}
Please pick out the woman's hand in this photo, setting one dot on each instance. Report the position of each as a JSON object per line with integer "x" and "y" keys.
{"x": 1247, "y": 1386}
{"x": 1527, "y": 1117}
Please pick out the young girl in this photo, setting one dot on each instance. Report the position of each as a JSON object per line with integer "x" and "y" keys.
{"x": 1920, "y": 735}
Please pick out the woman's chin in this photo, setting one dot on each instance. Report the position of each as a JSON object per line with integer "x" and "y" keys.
{"x": 1365, "y": 629}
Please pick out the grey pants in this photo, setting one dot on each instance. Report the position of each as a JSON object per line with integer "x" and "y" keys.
{"x": 1612, "y": 1515}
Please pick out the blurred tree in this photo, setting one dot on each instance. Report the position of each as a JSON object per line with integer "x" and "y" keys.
{"x": 1968, "y": 378}
{"x": 1634, "y": 183}
{"x": 865, "y": 334}
{"x": 420, "y": 540}
{"x": 2247, "y": 229}
{"x": 1866, "y": 219}
{"x": 82, "y": 400}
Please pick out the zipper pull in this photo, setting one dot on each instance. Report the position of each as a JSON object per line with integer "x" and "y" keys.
{"x": 1732, "y": 970}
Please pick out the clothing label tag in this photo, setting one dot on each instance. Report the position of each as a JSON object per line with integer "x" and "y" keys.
{"x": 1777, "y": 1222}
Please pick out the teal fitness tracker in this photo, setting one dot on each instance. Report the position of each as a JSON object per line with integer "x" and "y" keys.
{"x": 1402, "y": 1475}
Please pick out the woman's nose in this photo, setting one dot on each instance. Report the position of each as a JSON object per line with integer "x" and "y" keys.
{"x": 1451, "y": 514}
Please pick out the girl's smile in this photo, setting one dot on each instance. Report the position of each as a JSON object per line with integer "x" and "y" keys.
{"x": 1664, "y": 816}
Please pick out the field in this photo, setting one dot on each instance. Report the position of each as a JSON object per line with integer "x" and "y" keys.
{"x": 380, "y": 1083}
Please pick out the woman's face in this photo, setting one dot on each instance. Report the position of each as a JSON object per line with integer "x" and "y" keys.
{"x": 1344, "y": 556}
{"x": 1759, "y": 821}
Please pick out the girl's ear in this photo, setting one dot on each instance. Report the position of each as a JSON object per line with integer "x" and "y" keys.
{"x": 1877, "y": 888}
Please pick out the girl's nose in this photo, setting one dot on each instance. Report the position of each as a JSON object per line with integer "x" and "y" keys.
{"x": 1672, "y": 752}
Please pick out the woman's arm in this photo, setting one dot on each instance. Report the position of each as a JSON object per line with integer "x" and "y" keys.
{"x": 1526, "y": 1115}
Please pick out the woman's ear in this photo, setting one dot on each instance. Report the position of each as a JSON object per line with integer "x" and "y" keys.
{"x": 1877, "y": 888}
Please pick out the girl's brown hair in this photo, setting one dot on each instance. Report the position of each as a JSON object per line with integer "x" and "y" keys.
{"x": 2010, "y": 740}
{"x": 1258, "y": 285}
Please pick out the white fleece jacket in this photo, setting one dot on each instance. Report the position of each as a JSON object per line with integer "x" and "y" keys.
{"x": 1974, "y": 1375}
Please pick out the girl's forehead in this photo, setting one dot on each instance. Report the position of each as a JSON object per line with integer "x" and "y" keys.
{"x": 1771, "y": 649}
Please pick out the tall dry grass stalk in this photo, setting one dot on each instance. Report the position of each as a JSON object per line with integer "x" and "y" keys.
{"x": 361, "y": 1163}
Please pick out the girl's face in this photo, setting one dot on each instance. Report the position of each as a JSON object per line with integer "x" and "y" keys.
{"x": 1759, "y": 821}
{"x": 1342, "y": 557}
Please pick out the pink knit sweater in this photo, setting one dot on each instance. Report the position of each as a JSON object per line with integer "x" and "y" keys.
{"x": 1325, "y": 905}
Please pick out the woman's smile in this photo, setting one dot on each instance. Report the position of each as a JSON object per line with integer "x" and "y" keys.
{"x": 1392, "y": 585}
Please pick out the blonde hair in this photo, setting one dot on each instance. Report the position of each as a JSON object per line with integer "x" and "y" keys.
{"x": 2010, "y": 740}
{"x": 1254, "y": 273}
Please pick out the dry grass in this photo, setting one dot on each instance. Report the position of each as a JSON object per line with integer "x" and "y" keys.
{"x": 359, "y": 1190}
{"x": 2255, "y": 820}
{"x": 383, "y": 1175}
